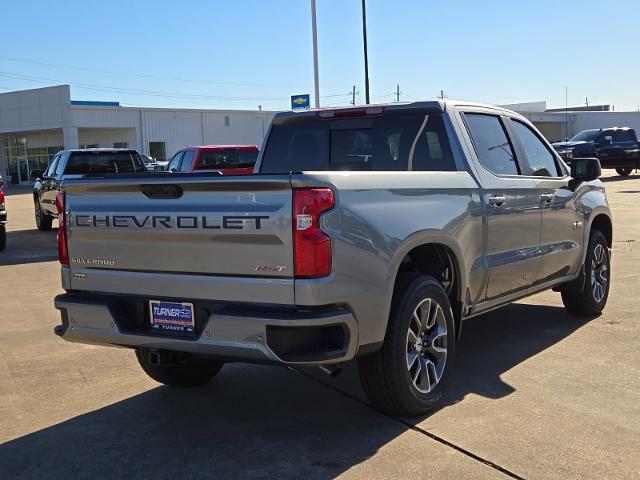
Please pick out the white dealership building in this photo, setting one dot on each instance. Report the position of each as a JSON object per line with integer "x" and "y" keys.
{"x": 35, "y": 124}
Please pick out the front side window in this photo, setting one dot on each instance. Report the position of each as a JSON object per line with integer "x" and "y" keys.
{"x": 492, "y": 144}
{"x": 541, "y": 161}
{"x": 175, "y": 161}
{"x": 187, "y": 161}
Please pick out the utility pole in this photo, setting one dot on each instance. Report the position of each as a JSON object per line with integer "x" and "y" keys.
{"x": 586, "y": 100}
{"x": 398, "y": 92}
{"x": 353, "y": 95}
{"x": 441, "y": 94}
{"x": 314, "y": 29}
{"x": 366, "y": 55}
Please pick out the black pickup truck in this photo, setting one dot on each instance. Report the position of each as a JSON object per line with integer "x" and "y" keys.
{"x": 67, "y": 163}
{"x": 615, "y": 147}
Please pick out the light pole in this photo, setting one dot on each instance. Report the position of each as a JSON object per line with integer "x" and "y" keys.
{"x": 366, "y": 55}
{"x": 314, "y": 28}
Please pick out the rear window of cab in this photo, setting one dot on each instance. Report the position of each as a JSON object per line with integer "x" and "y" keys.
{"x": 228, "y": 158}
{"x": 390, "y": 142}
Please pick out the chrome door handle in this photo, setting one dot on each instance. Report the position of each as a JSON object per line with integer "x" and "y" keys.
{"x": 546, "y": 197}
{"x": 497, "y": 200}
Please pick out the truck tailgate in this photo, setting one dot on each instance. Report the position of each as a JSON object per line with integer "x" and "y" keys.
{"x": 179, "y": 225}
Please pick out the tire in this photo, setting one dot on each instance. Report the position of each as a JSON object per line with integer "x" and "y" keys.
{"x": 589, "y": 298}
{"x": 43, "y": 221}
{"x": 184, "y": 371}
{"x": 624, "y": 171}
{"x": 3, "y": 237}
{"x": 387, "y": 375}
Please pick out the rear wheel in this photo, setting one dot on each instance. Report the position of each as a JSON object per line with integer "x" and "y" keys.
{"x": 43, "y": 221}
{"x": 3, "y": 237}
{"x": 407, "y": 376}
{"x": 590, "y": 298}
{"x": 624, "y": 171}
{"x": 177, "y": 368}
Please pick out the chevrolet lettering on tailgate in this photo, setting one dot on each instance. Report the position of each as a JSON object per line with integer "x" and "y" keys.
{"x": 228, "y": 222}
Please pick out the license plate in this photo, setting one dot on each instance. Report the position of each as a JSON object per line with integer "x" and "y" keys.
{"x": 172, "y": 317}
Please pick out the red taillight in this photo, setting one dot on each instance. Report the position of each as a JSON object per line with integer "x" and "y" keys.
{"x": 1, "y": 191}
{"x": 63, "y": 254}
{"x": 312, "y": 247}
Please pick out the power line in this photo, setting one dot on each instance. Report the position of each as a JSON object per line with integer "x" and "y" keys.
{"x": 134, "y": 91}
{"x": 142, "y": 75}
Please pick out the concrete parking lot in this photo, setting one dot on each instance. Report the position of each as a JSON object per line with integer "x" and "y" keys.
{"x": 536, "y": 393}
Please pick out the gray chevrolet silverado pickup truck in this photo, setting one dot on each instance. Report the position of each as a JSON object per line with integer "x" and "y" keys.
{"x": 366, "y": 232}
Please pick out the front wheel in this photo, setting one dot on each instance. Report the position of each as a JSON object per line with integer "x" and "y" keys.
{"x": 591, "y": 298}
{"x": 407, "y": 375}
{"x": 624, "y": 171}
{"x": 3, "y": 237}
{"x": 177, "y": 368}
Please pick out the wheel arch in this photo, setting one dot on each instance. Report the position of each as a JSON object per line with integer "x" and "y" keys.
{"x": 427, "y": 252}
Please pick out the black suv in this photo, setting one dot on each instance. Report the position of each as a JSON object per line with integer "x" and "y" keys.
{"x": 90, "y": 161}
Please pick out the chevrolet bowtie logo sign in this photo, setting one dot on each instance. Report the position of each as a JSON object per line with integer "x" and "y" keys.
{"x": 299, "y": 101}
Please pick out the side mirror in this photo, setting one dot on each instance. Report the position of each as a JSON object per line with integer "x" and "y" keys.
{"x": 608, "y": 140}
{"x": 585, "y": 169}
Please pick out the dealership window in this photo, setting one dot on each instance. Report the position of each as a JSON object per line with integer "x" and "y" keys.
{"x": 157, "y": 150}
{"x": 23, "y": 161}
{"x": 88, "y": 145}
{"x": 120, "y": 145}
{"x": 227, "y": 121}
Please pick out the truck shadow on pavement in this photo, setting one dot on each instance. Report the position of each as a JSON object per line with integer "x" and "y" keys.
{"x": 265, "y": 422}
{"x": 618, "y": 178}
{"x": 29, "y": 246}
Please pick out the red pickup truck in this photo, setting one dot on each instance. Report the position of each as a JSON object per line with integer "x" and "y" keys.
{"x": 226, "y": 159}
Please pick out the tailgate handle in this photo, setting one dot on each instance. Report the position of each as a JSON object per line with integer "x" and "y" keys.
{"x": 161, "y": 191}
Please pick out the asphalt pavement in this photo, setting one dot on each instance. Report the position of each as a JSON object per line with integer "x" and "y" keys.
{"x": 536, "y": 393}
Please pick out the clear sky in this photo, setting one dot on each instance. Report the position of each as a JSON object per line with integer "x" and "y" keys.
{"x": 244, "y": 53}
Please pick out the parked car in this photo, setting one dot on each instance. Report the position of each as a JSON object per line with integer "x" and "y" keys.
{"x": 68, "y": 163}
{"x": 224, "y": 159}
{"x": 368, "y": 232}
{"x": 150, "y": 164}
{"x": 615, "y": 147}
{"x": 3, "y": 218}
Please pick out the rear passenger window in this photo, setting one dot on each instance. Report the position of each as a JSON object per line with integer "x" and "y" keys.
{"x": 491, "y": 142}
{"x": 380, "y": 143}
{"x": 541, "y": 161}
